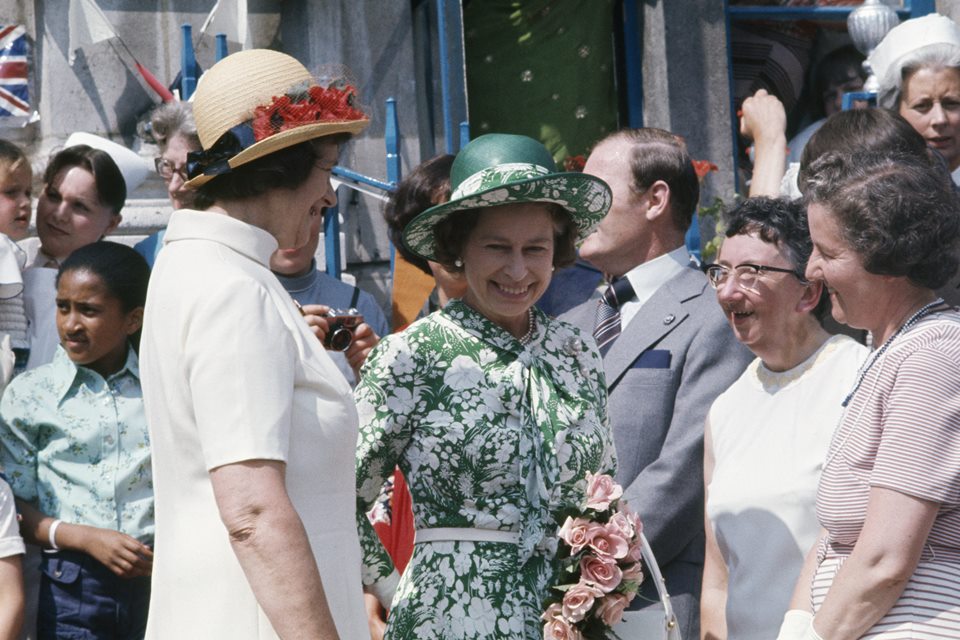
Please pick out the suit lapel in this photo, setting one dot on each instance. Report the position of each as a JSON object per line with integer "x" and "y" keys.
{"x": 660, "y": 315}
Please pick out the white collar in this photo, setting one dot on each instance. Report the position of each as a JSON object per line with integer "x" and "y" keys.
{"x": 646, "y": 278}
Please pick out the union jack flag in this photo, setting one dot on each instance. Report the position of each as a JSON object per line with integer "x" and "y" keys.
{"x": 14, "y": 100}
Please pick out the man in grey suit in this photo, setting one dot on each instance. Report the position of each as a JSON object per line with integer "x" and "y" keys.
{"x": 674, "y": 353}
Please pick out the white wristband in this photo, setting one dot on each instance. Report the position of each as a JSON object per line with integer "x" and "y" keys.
{"x": 52, "y": 535}
{"x": 811, "y": 633}
{"x": 796, "y": 622}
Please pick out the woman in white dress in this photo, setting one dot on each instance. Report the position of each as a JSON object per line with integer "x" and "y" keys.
{"x": 766, "y": 436}
{"x": 253, "y": 428}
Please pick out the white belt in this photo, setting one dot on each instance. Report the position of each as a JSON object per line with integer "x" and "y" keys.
{"x": 468, "y": 534}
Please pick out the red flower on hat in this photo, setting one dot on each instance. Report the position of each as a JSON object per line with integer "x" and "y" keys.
{"x": 319, "y": 105}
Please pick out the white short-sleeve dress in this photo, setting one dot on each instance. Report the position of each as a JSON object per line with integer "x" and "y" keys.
{"x": 770, "y": 432}
{"x": 231, "y": 372}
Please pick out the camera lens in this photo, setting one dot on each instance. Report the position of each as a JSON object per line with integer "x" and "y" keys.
{"x": 339, "y": 339}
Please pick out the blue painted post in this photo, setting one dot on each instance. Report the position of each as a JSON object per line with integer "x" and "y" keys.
{"x": 464, "y": 134}
{"x": 445, "y": 76}
{"x": 188, "y": 64}
{"x": 734, "y": 124}
{"x": 921, "y": 7}
{"x": 221, "y": 52}
{"x": 391, "y": 136}
{"x": 633, "y": 63}
{"x": 331, "y": 240}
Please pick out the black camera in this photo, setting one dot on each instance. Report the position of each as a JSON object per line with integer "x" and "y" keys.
{"x": 342, "y": 325}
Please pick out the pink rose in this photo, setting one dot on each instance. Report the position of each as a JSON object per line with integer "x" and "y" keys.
{"x": 624, "y": 524}
{"x": 559, "y": 629}
{"x": 612, "y": 607}
{"x": 574, "y": 533}
{"x": 601, "y": 491}
{"x": 632, "y": 572}
{"x": 555, "y": 627}
{"x": 552, "y": 612}
{"x": 578, "y": 600}
{"x": 602, "y": 571}
{"x": 607, "y": 541}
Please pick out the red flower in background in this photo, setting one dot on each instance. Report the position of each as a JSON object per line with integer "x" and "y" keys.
{"x": 703, "y": 167}
{"x": 574, "y": 163}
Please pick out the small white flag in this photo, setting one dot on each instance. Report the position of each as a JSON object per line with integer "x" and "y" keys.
{"x": 87, "y": 26}
{"x": 229, "y": 17}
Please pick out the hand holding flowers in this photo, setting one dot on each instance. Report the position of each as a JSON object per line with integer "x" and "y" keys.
{"x": 599, "y": 569}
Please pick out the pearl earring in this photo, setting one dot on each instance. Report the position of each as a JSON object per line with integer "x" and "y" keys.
{"x": 458, "y": 263}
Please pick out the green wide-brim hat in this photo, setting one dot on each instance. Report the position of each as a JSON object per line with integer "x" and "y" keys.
{"x": 497, "y": 169}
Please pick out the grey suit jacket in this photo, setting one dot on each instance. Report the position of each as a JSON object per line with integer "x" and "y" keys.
{"x": 663, "y": 373}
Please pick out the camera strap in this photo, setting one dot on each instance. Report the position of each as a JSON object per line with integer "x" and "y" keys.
{"x": 355, "y": 298}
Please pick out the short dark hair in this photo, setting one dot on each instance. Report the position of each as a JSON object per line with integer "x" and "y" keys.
{"x": 781, "y": 222}
{"x": 122, "y": 270}
{"x": 286, "y": 168}
{"x": 427, "y": 185}
{"x": 660, "y": 155}
{"x": 452, "y": 232}
{"x": 863, "y": 130}
{"x": 898, "y": 212}
{"x": 111, "y": 187}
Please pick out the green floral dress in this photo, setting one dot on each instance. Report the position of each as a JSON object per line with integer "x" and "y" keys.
{"x": 490, "y": 434}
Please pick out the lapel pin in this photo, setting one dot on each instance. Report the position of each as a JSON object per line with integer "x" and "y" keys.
{"x": 669, "y": 319}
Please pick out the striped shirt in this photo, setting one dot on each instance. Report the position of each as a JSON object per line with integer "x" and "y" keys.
{"x": 901, "y": 431}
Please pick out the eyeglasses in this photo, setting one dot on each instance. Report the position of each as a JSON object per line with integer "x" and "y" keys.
{"x": 747, "y": 275}
{"x": 167, "y": 169}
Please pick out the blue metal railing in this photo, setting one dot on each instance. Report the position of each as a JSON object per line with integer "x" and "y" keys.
{"x": 851, "y": 97}
{"x": 331, "y": 223}
{"x": 221, "y": 50}
{"x": 188, "y": 64}
{"x": 910, "y": 9}
{"x": 633, "y": 63}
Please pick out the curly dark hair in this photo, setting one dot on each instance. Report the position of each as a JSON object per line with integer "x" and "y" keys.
{"x": 286, "y": 168}
{"x": 899, "y": 212}
{"x": 451, "y": 235}
{"x": 781, "y": 222}
{"x": 427, "y": 185}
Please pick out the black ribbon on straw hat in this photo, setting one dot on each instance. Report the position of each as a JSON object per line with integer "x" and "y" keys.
{"x": 215, "y": 160}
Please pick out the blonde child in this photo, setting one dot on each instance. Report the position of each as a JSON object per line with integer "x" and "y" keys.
{"x": 16, "y": 178}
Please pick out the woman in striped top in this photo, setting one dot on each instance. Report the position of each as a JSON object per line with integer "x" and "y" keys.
{"x": 887, "y": 565}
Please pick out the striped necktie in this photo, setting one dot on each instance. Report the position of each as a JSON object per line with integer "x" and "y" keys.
{"x": 607, "y": 326}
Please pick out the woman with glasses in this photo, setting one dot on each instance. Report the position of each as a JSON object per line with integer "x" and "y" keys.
{"x": 172, "y": 127}
{"x": 766, "y": 436}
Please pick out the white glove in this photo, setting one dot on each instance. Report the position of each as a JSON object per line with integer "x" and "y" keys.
{"x": 7, "y": 360}
{"x": 797, "y": 625}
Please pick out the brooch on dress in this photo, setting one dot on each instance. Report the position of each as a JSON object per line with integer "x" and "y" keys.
{"x": 573, "y": 347}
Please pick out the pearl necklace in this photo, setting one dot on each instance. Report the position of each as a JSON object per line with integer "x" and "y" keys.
{"x": 912, "y": 320}
{"x": 531, "y": 327}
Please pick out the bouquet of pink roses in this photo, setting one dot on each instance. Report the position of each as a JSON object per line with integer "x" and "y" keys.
{"x": 598, "y": 561}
